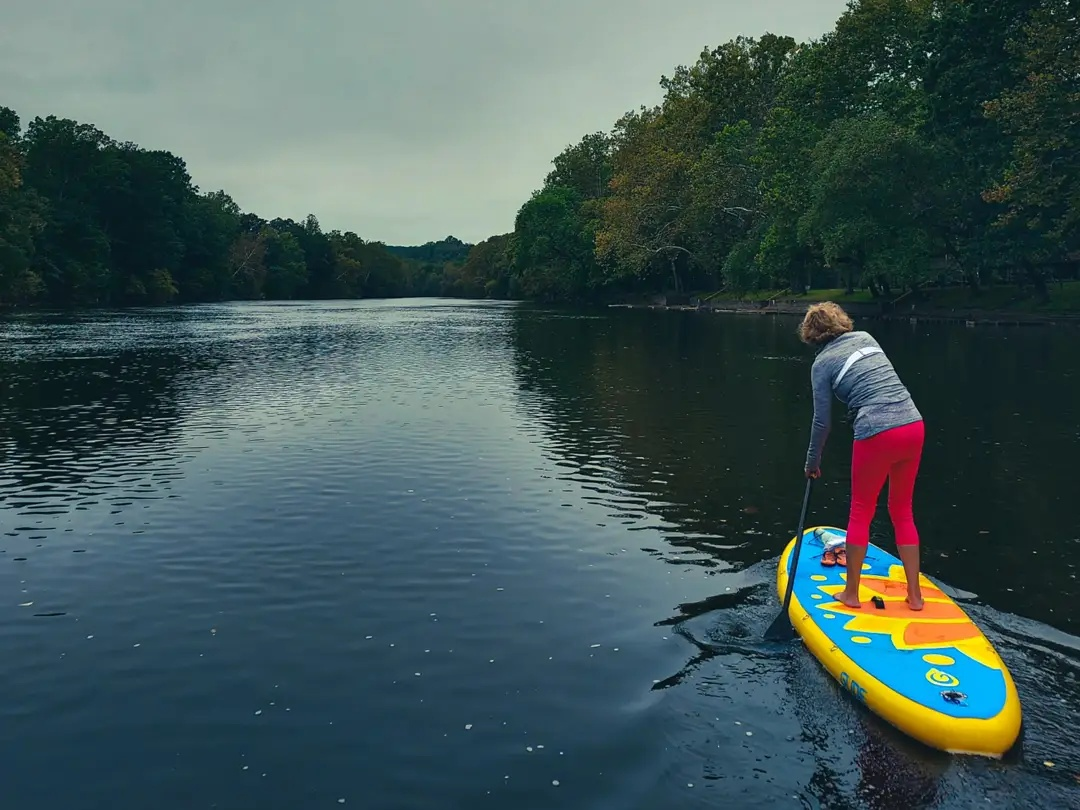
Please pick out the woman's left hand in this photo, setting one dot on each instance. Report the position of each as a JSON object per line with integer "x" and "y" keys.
{"x": 814, "y": 473}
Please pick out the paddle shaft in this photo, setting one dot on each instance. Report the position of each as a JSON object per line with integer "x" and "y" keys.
{"x": 783, "y": 619}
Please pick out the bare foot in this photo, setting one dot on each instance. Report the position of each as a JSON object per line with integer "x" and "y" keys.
{"x": 915, "y": 602}
{"x": 850, "y": 601}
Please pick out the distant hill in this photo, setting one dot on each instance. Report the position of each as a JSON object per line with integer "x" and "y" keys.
{"x": 450, "y": 249}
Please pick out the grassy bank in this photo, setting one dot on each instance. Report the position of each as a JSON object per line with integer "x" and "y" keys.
{"x": 1063, "y": 299}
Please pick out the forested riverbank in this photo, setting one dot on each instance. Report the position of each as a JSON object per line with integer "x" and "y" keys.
{"x": 86, "y": 220}
{"x": 919, "y": 145}
{"x": 1000, "y": 304}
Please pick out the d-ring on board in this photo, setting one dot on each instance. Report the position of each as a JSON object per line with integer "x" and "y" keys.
{"x": 858, "y": 354}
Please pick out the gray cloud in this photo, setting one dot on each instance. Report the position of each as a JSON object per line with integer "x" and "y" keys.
{"x": 403, "y": 120}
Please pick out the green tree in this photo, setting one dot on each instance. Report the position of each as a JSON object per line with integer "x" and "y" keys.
{"x": 286, "y": 265}
{"x": 553, "y": 246}
{"x": 1040, "y": 185}
{"x": 212, "y": 224}
{"x": 143, "y": 219}
{"x": 488, "y": 270}
{"x": 584, "y": 167}
{"x": 871, "y": 201}
{"x": 968, "y": 64}
{"x": 76, "y": 168}
{"x": 21, "y": 219}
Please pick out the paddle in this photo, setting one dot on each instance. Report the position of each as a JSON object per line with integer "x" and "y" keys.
{"x": 781, "y": 625}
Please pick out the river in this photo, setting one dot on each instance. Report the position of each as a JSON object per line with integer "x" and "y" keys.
{"x": 442, "y": 554}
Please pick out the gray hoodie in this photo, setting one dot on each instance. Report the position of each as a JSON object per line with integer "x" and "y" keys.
{"x": 869, "y": 387}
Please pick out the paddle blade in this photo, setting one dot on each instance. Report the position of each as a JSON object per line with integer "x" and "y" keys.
{"x": 780, "y": 629}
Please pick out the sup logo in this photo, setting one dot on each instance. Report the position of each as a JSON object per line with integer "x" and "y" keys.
{"x": 939, "y": 678}
{"x": 853, "y": 686}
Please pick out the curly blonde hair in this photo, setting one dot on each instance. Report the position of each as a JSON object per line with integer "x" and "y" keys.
{"x": 823, "y": 322}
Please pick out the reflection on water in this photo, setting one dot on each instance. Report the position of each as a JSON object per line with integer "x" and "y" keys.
{"x": 442, "y": 554}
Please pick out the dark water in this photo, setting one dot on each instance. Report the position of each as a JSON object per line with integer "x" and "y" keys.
{"x": 430, "y": 554}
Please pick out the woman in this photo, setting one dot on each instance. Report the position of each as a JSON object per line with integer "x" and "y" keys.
{"x": 889, "y": 434}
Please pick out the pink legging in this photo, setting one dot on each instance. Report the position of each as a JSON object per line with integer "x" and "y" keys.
{"x": 892, "y": 454}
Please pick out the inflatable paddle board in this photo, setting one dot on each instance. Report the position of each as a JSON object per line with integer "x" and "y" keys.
{"x": 930, "y": 673}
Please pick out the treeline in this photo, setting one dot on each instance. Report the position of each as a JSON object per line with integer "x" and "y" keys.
{"x": 920, "y": 140}
{"x": 86, "y": 220}
{"x": 450, "y": 249}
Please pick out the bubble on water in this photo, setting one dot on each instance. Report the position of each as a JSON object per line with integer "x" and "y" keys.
{"x": 468, "y": 726}
{"x": 593, "y": 646}
{"x": 555, "y": 782}
{"x": 258, "y": 712}
{"x": 528, "y": 748}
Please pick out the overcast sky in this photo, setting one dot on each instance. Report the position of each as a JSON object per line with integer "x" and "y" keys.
{"x": 402, "y": 120}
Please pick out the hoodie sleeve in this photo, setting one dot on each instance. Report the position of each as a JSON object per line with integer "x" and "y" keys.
{"x": 819, "y": 430}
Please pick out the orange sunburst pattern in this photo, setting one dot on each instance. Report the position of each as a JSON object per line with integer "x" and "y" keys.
{"x": 941, "y": 622}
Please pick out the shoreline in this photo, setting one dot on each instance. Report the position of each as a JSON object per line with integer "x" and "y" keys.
{"x": 914, "y": 313}
{"x": 928, "y": 312}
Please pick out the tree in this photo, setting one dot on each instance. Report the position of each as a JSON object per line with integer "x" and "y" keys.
{"x": 21, "y": 219}
{"x": 553, "y": 245}
{"x": 871, "y": 202}
{"x": 76, "y": 168}
{"x": 85, "y": 220}
{"x": 1040, "y": 185}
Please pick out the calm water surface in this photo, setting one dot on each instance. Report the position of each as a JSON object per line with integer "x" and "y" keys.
{"x": 433, "y": 554}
